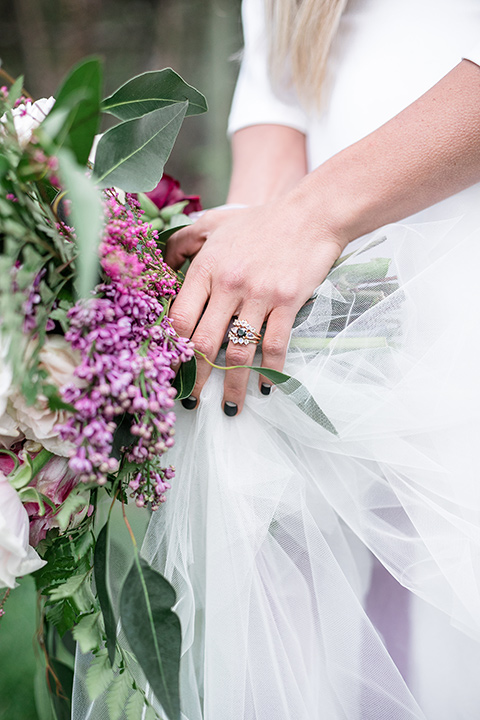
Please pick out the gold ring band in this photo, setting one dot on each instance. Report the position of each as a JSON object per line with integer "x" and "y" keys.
{"x": 243, "y": 333}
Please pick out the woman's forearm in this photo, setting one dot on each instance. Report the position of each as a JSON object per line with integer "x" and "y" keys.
{"x": 428, "y": 152}
{"x": 268, "y": 161}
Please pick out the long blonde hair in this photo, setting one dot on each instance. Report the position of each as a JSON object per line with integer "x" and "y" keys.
{"x": 301, "y": 34}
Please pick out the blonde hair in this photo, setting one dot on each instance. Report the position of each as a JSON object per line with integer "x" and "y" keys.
{"x": 301, "y": 34}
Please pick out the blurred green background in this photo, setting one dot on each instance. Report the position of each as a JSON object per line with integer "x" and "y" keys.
{"x": 200, "y": 39}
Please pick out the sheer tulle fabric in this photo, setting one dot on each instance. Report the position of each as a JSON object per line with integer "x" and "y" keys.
{"x": 290, "y": 547}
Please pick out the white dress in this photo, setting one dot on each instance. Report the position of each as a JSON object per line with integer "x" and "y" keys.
{"x": 337, "y": 577}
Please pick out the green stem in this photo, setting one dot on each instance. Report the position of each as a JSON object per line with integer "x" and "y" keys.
{"x": 221, "y": 367}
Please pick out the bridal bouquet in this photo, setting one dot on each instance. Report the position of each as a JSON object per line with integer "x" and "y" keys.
{"x": 88, "y": 361}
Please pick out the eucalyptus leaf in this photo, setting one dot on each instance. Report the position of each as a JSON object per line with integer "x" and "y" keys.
{"x": 87, "y": 219}
{"x": 150, "y": 91}
{"x": 153, "y": 632}
{"x": 298, "y": 394}
{"x": 80, "y": 94}
{"x": 101, "y": 570}
{"x": 132, "y": 155}
{"x": 185, "y": 379}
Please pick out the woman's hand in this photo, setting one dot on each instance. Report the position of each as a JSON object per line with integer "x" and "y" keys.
{"x": 260, "y": 264}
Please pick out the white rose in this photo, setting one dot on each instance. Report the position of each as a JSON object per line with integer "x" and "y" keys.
{"x": 38, "y": 422}
{"x": 28, "y": 116}
{"x": 16, "y": 556}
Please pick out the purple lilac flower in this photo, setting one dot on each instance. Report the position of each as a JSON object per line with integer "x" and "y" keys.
{"x": 128, "y": 349}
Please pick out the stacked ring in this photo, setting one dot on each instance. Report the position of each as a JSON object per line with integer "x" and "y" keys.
{"x": 243, "y": 333}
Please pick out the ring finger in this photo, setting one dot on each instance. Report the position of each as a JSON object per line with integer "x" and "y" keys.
{"x": 241, "y": 352}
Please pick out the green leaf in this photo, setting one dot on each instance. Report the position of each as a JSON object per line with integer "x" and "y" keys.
{"x": 87, "y": 218}
{"x": 68, "y": 588}
{"x": 167, "y": 213}
{"x": 135, "y": 705}
{"x": 55, "y": 402}
{"x": 63, "y": 615}
{"x": 165, "y": 234}
{"x": 148, "y": 206}
{"x": 15, "y": 91}
{"x": 185, "y": 379}
{"x": 99, "y": 675}
{"x": 77, "y": 500}
{"x": 87, "y": 632}
{"x": 153, "y": 631}
{"x": 80, "y": 94}
{"x": 298, "y": 394}
{"x": 132, "y": 155}
{"x": 101, "y": 570}
{"x": 149, "y": 92}
{"x": 118, "y": 693}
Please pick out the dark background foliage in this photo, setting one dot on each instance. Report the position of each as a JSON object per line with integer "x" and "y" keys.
{"x": 198, "y": 38}
{"x": 42, "y": 39}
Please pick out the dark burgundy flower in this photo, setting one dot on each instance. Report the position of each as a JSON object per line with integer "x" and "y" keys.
{"x": 168, "y": 192}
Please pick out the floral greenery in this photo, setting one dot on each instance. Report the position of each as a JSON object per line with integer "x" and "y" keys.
{"x": 59, "y": 236}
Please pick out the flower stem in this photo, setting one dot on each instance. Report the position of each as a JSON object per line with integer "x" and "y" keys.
{"x": 129, "y": 528}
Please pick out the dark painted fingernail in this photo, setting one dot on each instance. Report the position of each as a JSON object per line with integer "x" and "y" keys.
{"x": 230, "y": 408}
{"x": 265, "y": 388}
{"x": 189, "y": 403}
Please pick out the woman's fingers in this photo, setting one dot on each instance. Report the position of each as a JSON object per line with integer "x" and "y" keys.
{"x": 239, "y": 353}
{"x": 207, "y": 339}
{"x": 275, "y": 342}
{"x": 190, "y": 301}
{"x": 184, "y": 244}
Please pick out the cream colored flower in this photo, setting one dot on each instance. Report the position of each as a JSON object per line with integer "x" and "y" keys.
{"x": 38, "y": 422}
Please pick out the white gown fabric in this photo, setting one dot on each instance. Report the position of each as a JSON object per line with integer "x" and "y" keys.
{"x": 337, "y": 577}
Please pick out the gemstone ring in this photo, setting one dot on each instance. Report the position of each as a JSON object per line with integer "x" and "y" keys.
{"x": 243, "y": 333}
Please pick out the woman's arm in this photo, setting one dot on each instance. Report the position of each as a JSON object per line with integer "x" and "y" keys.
{"x": 264, "y": 262}
{"x": 268, "y": 161}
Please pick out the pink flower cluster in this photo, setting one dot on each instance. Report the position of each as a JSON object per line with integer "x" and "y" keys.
{"x": 128, "y": 349}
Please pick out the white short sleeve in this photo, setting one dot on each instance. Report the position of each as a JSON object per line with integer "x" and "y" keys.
{"x": 254, "y": 101}
{"x": 473, "y": 54}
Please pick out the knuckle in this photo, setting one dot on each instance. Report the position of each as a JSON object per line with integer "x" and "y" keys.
{"x": 201, "y": 268}
{"x": 232, "y": 280}
{"x": 205, "y": 344}
{"x": 286, "y": 295}
{"x": 273, "y": 347}
{"x": 181, "y": 320}
{"x": 237, "y": 356}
